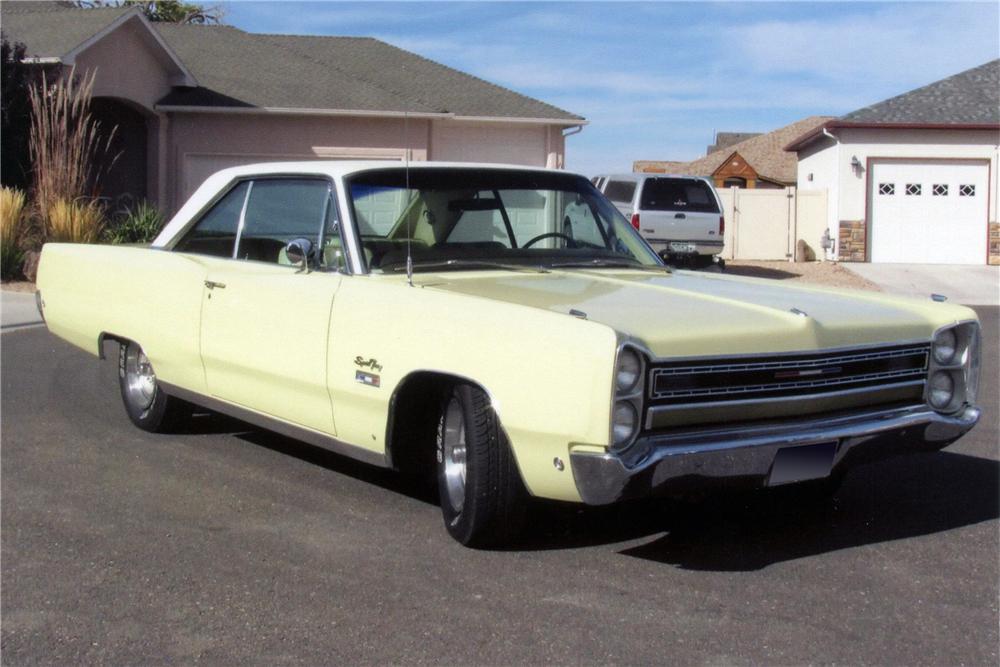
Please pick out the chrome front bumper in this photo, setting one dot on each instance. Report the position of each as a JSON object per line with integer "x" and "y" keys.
{"x": 743, "y": 457}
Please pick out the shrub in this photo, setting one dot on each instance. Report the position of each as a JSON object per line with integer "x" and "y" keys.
{"x": 69, "y": 221}
{"x": 138, "y": 224}
{"x": 12, "y": 232}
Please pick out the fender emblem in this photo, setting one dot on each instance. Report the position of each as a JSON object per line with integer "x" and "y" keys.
{"x": 372, "y": 364}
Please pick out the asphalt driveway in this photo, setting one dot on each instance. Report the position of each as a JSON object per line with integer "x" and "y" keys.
{"x": 229, "y": 545}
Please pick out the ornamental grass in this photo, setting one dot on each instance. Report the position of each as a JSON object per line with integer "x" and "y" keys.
{"x": 66, "y": 146}
{"x": 13, "y": 230}
{"x": 68, "y": 221}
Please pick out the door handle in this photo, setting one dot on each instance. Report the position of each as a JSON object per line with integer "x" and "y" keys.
{"x": 680, "y": 216}
{"x": 211, "y": 284}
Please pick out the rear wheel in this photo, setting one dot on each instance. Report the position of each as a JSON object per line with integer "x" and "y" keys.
{"x": 482, "y": 498}
{"x": 147, "y": 405}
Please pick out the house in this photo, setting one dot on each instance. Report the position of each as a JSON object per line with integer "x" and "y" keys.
{"x": 189, "y": 100}
{"x": 758, "y": 162}
{"x": 913, "y": 178}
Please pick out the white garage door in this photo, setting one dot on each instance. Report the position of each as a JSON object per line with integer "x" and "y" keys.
{"x": 929, "y": 211}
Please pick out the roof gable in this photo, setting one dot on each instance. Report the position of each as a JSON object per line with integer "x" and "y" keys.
{"x": 969, "y": 97}
{"x": 53, "y": 32}
{"x": 765, "y": 154}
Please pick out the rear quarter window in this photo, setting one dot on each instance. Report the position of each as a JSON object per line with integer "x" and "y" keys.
{"x": 620, "y": 191}
{"x": 676, "y": 194}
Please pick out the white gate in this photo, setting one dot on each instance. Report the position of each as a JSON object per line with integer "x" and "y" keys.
{"x": 766, "y": 224}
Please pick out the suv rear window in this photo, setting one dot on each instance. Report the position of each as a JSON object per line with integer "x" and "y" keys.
{"x": 620, "y": 191}
{"x": 678, "y": 194}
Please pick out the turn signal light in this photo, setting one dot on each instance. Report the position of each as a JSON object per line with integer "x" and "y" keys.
{"x": 635, "y": 220}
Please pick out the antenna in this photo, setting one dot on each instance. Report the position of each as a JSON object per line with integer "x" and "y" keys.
{"x": 409, "y": 225}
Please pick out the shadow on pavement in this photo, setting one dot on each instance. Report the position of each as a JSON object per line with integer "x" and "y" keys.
{"x": 891, "y": 500}
{"x": 413, "y": 486}
{"x": 760, "y": 272}
{"x": 895, "y": 499}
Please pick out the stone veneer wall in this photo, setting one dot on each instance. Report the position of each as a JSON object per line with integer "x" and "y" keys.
{"x": 994, "y": 243}
{"x": 852, "y": 244}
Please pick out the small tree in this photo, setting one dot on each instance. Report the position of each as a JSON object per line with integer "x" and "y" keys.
{"x": 15, "y": 113}
{"x": 165, "y": 11}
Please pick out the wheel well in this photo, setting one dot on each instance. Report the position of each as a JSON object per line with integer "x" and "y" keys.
{"x": 413, "y": 419}
{"x": 105, "y": 336}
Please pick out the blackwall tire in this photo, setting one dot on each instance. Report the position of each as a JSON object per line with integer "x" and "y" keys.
{"x": 483, "y": 499}
{"x": 146, "y": 404}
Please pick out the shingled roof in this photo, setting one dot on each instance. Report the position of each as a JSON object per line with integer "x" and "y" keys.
{"x": 764, "y": 152}
{"x": 967, "y": 100}
{"x": 972, "y": 96}
{"x": 237, "y": 69}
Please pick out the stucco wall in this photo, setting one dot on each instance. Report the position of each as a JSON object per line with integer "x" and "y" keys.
{"x": 817, "y": 169}
{"x": 512, "y": 143}
{"x": 128, "y": 66}
{"x": 202, "y": 143}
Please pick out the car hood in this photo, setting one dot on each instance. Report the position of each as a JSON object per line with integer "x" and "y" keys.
{"x": 693, "y": 314}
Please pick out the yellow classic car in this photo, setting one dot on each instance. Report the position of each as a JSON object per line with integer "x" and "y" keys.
{"x": 507, "y": 328}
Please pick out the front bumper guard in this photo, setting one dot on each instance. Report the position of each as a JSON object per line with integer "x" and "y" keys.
{"x": 743, "y": 457}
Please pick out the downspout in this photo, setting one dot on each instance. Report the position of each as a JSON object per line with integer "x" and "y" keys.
{"x": 833, "y": 250}
{"x": 576, "y": 129}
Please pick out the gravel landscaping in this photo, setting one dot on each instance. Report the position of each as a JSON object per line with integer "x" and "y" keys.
{"x": 830, "y": 274}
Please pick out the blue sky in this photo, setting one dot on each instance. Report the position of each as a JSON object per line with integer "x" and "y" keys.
{"x": 657, "y": 80}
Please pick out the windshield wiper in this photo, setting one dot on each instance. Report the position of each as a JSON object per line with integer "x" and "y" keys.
{"x": 609, "y": 264}
{"x": 471, "y": 263}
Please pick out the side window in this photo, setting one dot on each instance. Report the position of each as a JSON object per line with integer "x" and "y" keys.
{"x": 279, "y": 211}
{"x": 215, "y": 233}
{"x": 620, "y": 191}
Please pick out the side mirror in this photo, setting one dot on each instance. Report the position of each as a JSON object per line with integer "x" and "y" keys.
{"x": 299, "y": 251}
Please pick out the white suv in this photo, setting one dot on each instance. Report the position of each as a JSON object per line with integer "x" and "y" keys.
{"x": 679, "y": 216}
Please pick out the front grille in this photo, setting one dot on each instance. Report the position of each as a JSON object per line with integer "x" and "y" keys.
{"x": 741, "y": 379}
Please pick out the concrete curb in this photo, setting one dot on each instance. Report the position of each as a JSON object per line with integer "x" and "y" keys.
{"x": 18, "y": 310}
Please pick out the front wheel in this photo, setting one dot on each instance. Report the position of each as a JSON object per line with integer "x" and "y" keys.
{"x": 482, "y": 497}
{"x": 147, "y": 405}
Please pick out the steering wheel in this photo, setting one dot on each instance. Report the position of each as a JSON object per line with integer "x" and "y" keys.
{"x": 549, "y": 235}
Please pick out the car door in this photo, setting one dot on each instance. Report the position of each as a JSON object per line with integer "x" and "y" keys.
{"x": 265, "y": 321}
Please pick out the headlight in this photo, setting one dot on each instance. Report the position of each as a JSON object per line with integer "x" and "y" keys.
{"x": 623, "y": 422}
{"x": 628, "y": 372}
{"x": 941, "y": 390}
{"x": 953, "y": 371}
{"x": 945, "y": 345}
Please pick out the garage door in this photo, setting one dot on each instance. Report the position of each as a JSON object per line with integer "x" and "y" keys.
{"x": 929, "y": 211}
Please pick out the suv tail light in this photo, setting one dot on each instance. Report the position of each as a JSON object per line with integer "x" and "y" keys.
{"x": 635, "y": 221}
{"x": 722, "y": 225}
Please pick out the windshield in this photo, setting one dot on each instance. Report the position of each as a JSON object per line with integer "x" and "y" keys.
{"x": 489, "y": 218}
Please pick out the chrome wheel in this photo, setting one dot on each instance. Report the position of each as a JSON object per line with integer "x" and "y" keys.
{"x": 453, "y": 453}
{"x": 140, "y": 381}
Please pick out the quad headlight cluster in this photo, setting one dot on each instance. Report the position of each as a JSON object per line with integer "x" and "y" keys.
{"x": 627, "y": 409}
{"x": 953, "y": 371}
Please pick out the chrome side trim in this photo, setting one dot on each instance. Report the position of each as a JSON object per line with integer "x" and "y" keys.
{"x": 663, "y": 409}
{"x": 311, "y": 437}
{"x": 243, "y": 219}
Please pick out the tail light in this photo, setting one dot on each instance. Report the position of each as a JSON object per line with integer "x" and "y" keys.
{"x": 722, "y": 225}
{"x": 635, "y": 220}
